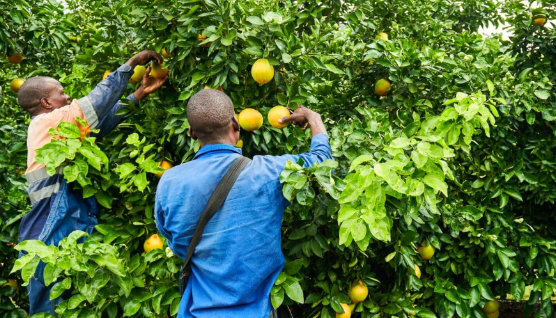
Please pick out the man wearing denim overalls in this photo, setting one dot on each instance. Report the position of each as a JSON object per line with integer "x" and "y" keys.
{"x": 57, "y": 209}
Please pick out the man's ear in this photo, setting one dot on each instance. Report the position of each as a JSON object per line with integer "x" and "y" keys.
{"x": 235, "y": 124}
{"x": 192, "y": 134}
{"x": 45, "y": 104}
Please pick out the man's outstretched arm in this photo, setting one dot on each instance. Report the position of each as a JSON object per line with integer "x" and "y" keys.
{"x": 107, "y": 93}
{"x": 149, "y": 84}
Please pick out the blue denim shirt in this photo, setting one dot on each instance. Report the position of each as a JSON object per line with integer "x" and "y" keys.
{"x": 239, "y": 255}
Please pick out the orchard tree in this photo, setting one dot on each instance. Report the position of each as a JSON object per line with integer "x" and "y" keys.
{"x": 439, "y": 202}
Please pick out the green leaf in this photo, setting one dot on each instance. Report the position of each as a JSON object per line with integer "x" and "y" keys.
{"x": 140, "y": 181}
{"x": 59, "y": 288}
{"x": 277, "y": 297}
{"x": 436, "y": 182}
{"x": 294, "y": 291}
{"x": 228, "y": 39}
{"x": 359, "y": 160}
{"x": 68, "y": 130}
{"x": 400, "y": 142}
{"x": 255, "y": 20}
{"x": 286, "y": 58}
{"x": 472, "y": 213}
{"x": 514, "y": 194}
{"x": 542, "y": 94}
{"x": 334, "y": 69}
{"x": 131, "y": 308}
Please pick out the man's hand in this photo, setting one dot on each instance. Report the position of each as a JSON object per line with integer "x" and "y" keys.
{"x": 302, "y": 117}
{"x": 148, "y": 85}
{"x": 144, "y": 57}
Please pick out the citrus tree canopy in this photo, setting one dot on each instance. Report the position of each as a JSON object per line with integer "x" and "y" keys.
{"x": 441, "y": 198}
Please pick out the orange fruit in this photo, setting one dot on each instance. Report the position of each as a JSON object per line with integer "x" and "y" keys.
{"x": 16, "y": 58}
{"x": 276, "y": 113}
{"x": 16, "y": 84}
{"x": 358, "y": 292}
{"x": 105, "y": 75}
{"x": 201, "y": 38}
{"x": 493, "y": 314}
{"x": 426, "y": 251}
{"x": 417, "y": 271}
{"x": 138, "y": 73}
{"x": 158, "y": 71}
{"x": 491, "y": 307}
{"x": 347, "y": 312}
{"x": 540, "y": 21}
{"x": 165, "y": 54}
{"x": 12, "y": 283}
{"x": 382, "y": 35}
{"x": 382, "y": 87}
{"x": 239, "y": 143}
{"x": 153, "y": 242}
{"x": 250, "y": 119}
{"x": 164, "y": 165}
{"x": 262, "y": 71}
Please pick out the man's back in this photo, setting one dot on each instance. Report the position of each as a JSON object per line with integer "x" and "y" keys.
{"x": 239, "y": 256}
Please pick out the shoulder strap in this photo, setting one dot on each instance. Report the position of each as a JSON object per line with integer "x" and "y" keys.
{"x": 214, "y": 203}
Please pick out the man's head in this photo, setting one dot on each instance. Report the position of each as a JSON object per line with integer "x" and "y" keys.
{"x": 211, "y": 118}
{"x": 42, "y": 94}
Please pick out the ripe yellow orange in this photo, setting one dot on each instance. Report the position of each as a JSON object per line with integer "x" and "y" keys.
{"x": 201, "y": 38}
{"x": 250, "y": 119}
{"x": 382, "y": 35}
{"x": 16, "y": 58}
{"x": 426, "y": 251}
{"x": 105, "y": 75}
{"x": 540, "y": 21}
{"x": 164, "y": 165}
{"x": 491, "y": 306}
{"x": 153, "y": 242}
{"x": 275, "y": 114}
{"x": 382, "y": 87}
{"x": 417, "y": 271}
{"x": 239, "y": 143}
{"x": 358, "y": 292}
{"x": 13, "y": 283}
{"x": 493, "y": 314}
{"x": 16, "y": 84}
{"x": 158, "y": 71}
{"x": 138, "y": 73}
{"x": 262, "y": 71}
{"x": 347, "y": 311}
{"x": 165, "y": 54}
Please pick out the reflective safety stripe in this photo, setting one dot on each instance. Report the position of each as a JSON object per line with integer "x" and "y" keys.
{"x": 44, "y": 193}
{"x": 39, "y": 175}
{"x": 89, "y": 111}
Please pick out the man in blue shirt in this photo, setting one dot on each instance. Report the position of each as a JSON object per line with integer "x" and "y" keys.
{"x": 239, "y": 256}
{"x": 56, "y": 208}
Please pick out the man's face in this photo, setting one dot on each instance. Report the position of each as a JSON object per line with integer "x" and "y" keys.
{"x": 56, "y": 97}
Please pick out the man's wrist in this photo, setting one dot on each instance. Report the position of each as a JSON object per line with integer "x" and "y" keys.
{"x": 139, "y": 94}
{"x": 131, "y": 62}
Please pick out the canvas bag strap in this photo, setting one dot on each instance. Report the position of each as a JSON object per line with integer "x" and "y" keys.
{"x": 216, "y": 200}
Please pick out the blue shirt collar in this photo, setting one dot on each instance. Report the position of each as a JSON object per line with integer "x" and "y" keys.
{"x": 210, "y": 150}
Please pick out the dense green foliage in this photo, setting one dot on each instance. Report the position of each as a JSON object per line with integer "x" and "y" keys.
{"x": 460, "y": 154}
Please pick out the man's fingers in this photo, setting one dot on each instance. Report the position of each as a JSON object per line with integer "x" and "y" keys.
{"x": 147, "y": 72}
{"x": 158, "y": 57}
{"x": 287, "y": 119}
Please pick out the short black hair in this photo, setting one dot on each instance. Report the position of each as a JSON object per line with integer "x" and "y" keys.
{"x": 33, "y": 90}
{"x": 210, "y": 112}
